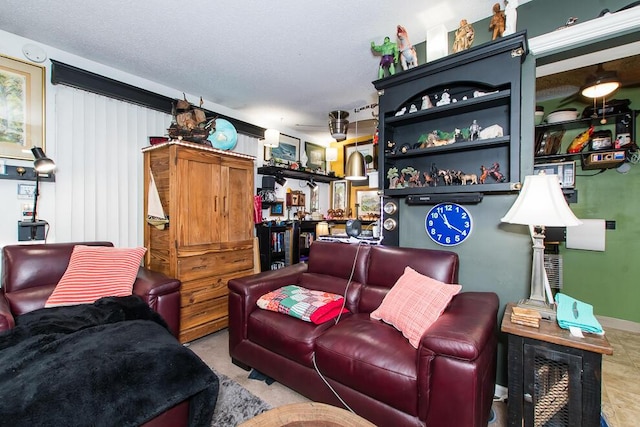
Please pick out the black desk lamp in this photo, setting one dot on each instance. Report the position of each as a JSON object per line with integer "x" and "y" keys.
{"x": 41, "y": 164}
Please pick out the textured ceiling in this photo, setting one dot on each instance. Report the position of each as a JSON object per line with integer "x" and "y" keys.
{"x": 567, "y": 84}
{"x": 283, "y": 63}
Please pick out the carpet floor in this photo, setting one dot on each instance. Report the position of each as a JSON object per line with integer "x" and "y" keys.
{"x": 242, "y": 398}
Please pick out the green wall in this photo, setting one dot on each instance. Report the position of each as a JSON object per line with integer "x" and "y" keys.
{"x": 606, "y": 279}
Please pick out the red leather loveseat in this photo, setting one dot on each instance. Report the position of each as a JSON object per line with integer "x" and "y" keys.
{"x": 448, "y": 380}
{"x": 31, "y": 272}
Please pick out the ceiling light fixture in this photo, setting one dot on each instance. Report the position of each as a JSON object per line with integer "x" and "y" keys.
{"x": 356, "y": 169}
{"x": 600, "y": 84}
{"x": 271, "y": 138}
{"x": 338, "y": 124}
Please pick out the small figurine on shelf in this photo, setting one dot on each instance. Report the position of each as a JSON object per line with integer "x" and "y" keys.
{"x": 464, "y": 37}
{"x": 426, "y": 103}
{"x": 414, "y": 176}
{"x": 495, "y": 173}
{"x": 484, "y": 173}
{"x": 470, "y": 178}
{"x": 474, "y": 130}
{"x": 390, "y": 148}
{"x": 389, "y": 52}
{"x": 446, "y": 176}
{"x": 445, "y": 99}
{"x": 413, "y": 108}
{"x": 408, "y": 55}
{"x": 401, "y": 111}
{"x": 393, "y": 177}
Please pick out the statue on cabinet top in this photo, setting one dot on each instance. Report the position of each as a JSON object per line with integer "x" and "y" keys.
{"x": 408, "y": 55}
{"x": 389, "y": 52}
{"x": 497, "y": 22}
{"x": 464, "y": 37}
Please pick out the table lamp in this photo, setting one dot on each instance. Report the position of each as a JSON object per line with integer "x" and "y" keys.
{"x": 540, "y": 204}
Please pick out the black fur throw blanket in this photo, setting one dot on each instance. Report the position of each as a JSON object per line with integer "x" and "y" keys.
{"x": 110, "y": 363}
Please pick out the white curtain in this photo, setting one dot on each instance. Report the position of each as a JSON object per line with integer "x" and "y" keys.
{"x": 99, "y": 188}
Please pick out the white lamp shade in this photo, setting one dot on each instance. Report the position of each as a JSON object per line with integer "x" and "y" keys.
{"x": 271, "y": 138}
{"x": 599, "y": 90}
{"x": 331, "y": 154}
{"x": 541, "y": 203}
{"x": 322, "y": 229}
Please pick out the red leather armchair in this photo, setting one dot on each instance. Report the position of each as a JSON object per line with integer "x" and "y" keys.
{"x": 31, "y": 272}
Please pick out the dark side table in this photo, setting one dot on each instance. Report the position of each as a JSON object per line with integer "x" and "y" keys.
{"x": 554, "y": 378}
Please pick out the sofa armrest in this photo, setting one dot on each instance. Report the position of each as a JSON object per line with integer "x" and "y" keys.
{"x": 466, "y": 327}
{"x": 162, "y": 294}
{"x": 6, "y": 318}
{"x": 245, "y": 291}
{"x": 253, "y": 287}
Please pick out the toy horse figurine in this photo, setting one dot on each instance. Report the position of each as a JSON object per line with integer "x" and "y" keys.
{"x": 408, "y": 56}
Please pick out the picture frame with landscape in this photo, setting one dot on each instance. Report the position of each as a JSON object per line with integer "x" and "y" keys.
{"x": 340, "y": 195}
{"x": 368, "y": 202}
{"x": 22, "y": 100}
{"x": 316, "y": 155}
{"x": 287, "y": 152}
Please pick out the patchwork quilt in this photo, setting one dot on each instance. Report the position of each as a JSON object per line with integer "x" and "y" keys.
{"x": 304, "y": 304}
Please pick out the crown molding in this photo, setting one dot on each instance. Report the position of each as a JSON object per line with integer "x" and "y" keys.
{"x": 615, "y": 24}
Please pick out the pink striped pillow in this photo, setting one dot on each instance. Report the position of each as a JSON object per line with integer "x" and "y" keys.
{"x": 95, "y": 272}
{"x": 414, "y": 303}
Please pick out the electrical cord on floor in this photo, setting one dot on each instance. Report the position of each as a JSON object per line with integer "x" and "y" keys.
{"x": 313, "y": 359}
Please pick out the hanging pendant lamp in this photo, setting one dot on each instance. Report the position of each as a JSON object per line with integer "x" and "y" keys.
{"x": 356, "y": 165}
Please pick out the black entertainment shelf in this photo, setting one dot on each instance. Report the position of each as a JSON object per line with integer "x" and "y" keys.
{"x": 296, "y": 174}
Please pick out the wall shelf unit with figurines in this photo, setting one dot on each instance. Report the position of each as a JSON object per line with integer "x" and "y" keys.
{"x": 450, "y": 129}
{"x": 453, "y": 125}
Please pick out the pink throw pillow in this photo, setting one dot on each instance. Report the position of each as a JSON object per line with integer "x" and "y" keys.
{"x": 95, "y": 272}
{"x": 414, "y": 303}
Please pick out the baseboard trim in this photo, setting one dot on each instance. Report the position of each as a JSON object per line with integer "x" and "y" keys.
{"x": 625, "y": 325}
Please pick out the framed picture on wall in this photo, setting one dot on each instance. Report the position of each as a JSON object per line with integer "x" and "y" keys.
{"x": 277, "y": 209}
{"x": 369, "y": 202}
{"x": 316, "y": 155}
{"x": 22, "y": 104}
{"x": 314, "y": 204}
{"x": 340, "y": 195}
{"x": 367, "y": 149}
{"x": 287, "y": 152}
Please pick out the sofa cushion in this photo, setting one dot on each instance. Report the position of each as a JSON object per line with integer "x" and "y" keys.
{"x": 285, "y": 335}
{"x": 304, "y": 304}
{"x": 414, "y": 303}
{"x": 372, "y": 358}
{"x": 95, "y": 272}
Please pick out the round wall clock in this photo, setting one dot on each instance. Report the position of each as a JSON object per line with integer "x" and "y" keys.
{"x": 448, "y": 224}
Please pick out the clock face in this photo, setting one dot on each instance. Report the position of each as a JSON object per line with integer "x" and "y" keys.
{"x": 448, "y": 224}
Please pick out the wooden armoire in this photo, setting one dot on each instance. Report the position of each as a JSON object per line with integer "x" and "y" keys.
{"x": 208, "y": 196}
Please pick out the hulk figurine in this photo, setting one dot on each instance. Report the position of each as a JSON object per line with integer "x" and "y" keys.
{"x": 389, "y": 51}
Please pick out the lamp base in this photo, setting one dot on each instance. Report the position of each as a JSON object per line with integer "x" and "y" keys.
{"x": 546, "y": 310}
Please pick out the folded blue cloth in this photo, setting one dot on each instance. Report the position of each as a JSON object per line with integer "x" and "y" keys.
{"x": 572, "y": 312}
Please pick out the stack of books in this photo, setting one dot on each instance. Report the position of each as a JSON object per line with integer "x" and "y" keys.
{"x": 525, "y": 317}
